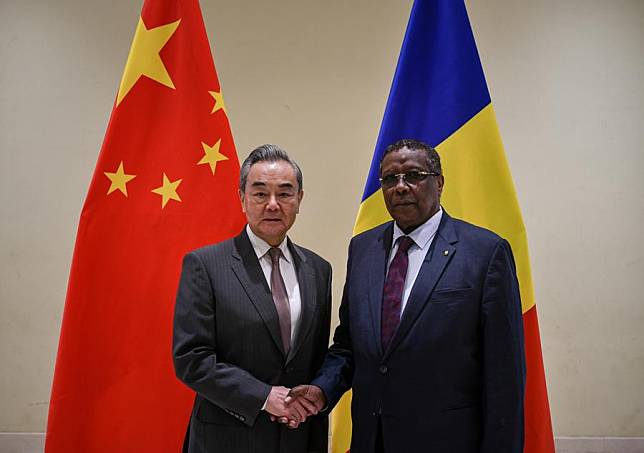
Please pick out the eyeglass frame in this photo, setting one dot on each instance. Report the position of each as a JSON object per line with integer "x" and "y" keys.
{"x": 404, "y": 178}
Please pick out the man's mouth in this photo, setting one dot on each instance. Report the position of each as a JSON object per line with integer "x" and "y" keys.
{"x": 402, "y": 204}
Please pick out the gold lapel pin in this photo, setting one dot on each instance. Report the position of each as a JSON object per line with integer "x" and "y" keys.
{"x": 446, "y": 252}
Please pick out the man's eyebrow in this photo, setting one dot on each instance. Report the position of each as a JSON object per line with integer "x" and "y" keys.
{"x": 263, "y": 184}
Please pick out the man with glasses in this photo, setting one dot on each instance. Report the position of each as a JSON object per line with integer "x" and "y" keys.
{"x": 430, "y": 336}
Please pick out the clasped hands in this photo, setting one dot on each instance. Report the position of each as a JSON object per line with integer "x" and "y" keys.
{"x": 294, "y": 406}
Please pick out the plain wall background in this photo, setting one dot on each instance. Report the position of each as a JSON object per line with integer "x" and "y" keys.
{"x": 566, "y": 79}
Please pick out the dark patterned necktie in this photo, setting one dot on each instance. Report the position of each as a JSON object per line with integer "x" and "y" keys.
{"x": 393, "y": 291}
{"x": 280, "y": 298}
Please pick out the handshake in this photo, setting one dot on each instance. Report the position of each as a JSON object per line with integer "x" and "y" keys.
{"x": 294, "y": 406}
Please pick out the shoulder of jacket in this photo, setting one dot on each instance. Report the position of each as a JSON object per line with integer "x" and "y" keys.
{"x": 312, "y": 256}
{"x": 213, "y": 249}
{"x": 470, "y": 231}
{"x": 371, "y": 234}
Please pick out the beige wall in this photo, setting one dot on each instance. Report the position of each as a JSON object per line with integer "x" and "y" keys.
{"x": 566, "y": 80}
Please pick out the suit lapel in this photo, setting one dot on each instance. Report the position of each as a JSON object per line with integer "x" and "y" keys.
{"x": 377, "y": 262}
{"x": 308, "y": 291}
{"x": 249, "y": 272}
{"x": 438, "y": 257}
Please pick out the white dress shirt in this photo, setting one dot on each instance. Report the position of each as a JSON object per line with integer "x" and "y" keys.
{"x": 422, "y": 236}
{"x": 287, "y": 268}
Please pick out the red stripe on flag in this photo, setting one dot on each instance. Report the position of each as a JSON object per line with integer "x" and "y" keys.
{"x": 538, "y": 432}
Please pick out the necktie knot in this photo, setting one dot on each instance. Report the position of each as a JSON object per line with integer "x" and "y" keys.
{"x": 275, "y": 254}
{"x": 404, "y": 243}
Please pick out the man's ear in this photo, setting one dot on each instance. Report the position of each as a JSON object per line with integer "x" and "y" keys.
{"x": 241, "y": 198}
{"x": 440, "y": 181}
{"x": 300, "y": 195}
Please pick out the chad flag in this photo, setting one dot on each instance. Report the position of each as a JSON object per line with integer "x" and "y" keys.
{"x": 439, "y": 96}
{"x": 165, "y": 183}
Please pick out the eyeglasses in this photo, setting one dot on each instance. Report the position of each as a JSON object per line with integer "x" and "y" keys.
{"x": 411, "y": 178}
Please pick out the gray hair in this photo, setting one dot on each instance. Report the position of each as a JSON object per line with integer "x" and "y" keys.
{"x": 267, "y": 153}
{"x": 433, "y": 159}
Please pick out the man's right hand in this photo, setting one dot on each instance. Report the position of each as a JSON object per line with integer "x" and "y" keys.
{"x": 295, "y": 413}
{"x": 311, "y": 397}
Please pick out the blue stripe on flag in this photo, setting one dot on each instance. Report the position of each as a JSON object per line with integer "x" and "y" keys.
{"x": 439, "y": 82}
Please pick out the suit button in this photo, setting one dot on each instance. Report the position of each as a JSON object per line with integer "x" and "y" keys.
{"x": 383, "y": 369}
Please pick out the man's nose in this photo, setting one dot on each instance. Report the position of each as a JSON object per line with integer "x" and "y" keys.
{"x": 272, "y": 204}
{"x": 401, "y": 185}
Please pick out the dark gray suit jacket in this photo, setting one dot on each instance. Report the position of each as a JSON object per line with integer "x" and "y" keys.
{"x": 227, "y": 348}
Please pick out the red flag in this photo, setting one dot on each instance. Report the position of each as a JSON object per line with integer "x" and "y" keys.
{"x": 165, "y": 183}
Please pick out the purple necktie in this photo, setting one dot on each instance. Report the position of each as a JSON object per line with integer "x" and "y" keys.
{"x": 280, "y": 298}
{"x": 393, "y": 291}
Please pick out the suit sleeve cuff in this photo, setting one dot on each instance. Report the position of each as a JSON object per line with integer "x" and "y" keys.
{"x": 265, "y": 402}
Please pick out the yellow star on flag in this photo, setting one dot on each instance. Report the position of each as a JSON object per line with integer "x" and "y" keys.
{"x": 212, "y": 155}
{"x": 219, "y": 102}
{"x": 168, "y": 190}
{"x": 144, "y": 58}
{"x": 119, "y": 180}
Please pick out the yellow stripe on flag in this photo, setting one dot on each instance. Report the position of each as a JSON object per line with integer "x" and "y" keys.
{"x": 341, "y": 425}
{"x": 372, "y": 212}
{"x": 479, "y": 189}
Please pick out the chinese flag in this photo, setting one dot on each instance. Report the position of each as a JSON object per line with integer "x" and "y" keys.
{"x": 439, "y": 95}
{"x": 165, "y": 183}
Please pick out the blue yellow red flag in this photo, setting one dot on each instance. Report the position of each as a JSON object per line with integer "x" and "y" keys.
{"x": 439, "y": 96}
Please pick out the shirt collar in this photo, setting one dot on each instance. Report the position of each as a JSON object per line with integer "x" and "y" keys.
{"x": 262, "y": 247}
{"x": 423, "y": 233}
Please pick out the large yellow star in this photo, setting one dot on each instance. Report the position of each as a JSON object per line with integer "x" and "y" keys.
{"x": 168, "y": 190}
{"x": 144, "y": 57}
{"x": 212, "y": 155}
{"x": 219, "y": 102}
{"x": 119, "y": 180}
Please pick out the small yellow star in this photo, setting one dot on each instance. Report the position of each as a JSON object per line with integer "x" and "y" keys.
{"x": 219, "y": 102}
{"x": 119, "y": 180}
{"x": 144, "y": 58}
{"x": 212, "y": 155}
{"x": 168, "y": 190}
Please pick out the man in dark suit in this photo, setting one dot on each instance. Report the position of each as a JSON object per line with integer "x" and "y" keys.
{"x": 431, "y": 335}
{"x": 252, "y": 320}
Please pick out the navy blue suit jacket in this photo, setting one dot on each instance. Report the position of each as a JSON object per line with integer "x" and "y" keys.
{"x": 453, "y": 377}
